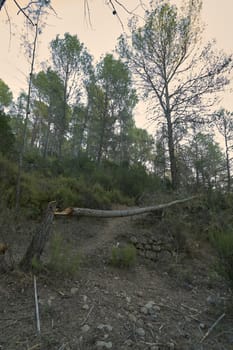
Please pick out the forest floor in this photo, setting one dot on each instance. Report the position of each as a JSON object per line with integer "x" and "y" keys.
{"x": 169, "y": 304}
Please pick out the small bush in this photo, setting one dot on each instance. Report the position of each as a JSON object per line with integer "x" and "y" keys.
{"x": 124, "y": 256}
{"x": 62, "y": 259}
{"x": 117, "y": 197}
{"x": 223, "y": 242}
{"x": 66, "y": 191}
{"x": 37, "y": 265}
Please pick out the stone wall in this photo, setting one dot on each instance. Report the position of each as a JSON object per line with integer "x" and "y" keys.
{"x": 153, "y": 248}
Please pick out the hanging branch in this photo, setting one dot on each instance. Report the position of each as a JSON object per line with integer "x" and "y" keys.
{"x": 22, "y": 10}
{"x": 121, "y": 5}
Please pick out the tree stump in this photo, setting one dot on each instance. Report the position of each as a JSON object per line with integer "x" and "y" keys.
{"x": 39, "y": 239}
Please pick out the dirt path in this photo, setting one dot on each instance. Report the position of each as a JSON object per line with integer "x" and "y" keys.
{"x": 91, "y": 234}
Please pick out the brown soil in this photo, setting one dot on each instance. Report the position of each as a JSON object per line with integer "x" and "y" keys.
{"x": 108, "y": 304}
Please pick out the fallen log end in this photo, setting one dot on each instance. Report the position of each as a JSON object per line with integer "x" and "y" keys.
{"x": 65, "y": 212}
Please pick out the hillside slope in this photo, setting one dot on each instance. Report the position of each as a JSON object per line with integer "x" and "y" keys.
{"x": 165, "y": 304}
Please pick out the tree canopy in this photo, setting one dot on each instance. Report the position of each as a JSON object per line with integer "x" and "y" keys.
{"x": 78, "y": 113}
{"x": 6, "y": 96}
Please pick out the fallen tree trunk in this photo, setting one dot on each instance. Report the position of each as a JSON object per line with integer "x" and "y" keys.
{"x": 118, "y": 213}
{"x": 41, "y": 236}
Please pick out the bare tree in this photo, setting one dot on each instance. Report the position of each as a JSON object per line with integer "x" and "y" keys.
{"x": 179, "y": 77}
{"x": 36, "y": 11}
{"x": 114, "y": 5}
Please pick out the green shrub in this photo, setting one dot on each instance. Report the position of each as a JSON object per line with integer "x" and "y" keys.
{"x": 7, "y": 144}
{"x": 37, "y": 265}
{"x": 223, "y": 242}
{"x": 62, "y": 259}
{"x": 124, "y": 256}
{"x": 8, "y": 175}
{"x": 117, "y": 197}
{"x": 100, "y": 197}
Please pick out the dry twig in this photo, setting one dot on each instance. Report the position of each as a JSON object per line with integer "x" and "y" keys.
{"x": 89, "y": 312}
{"x": 212, "y": 327}
{"x": 62, "y": 347}
{"x": 37, "y": 306}
{"x": 34, "y": 347}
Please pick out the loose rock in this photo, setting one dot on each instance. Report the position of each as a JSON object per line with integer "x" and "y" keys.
{"x": 74, "y": 290}
{"x": 85, "y": 328}
{"x": 107, "y": 327}
{"x": 132, "y": 318}
{"x": 100, "y": 344}
{"x": 140, "y": 331}
{"x": 144, "y": 310}
{"x": 128, "y": 342}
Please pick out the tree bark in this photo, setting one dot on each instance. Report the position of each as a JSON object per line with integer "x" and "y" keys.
{"x": 39, "y": 239}
{"x": 118, "y": 213}
{"x": 172, "y": 157}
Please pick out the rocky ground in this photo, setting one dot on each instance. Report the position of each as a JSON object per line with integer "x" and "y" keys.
{"x": 174, "y": 302}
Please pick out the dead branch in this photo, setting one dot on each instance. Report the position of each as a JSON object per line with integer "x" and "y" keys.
{"x": 88, "y": 314}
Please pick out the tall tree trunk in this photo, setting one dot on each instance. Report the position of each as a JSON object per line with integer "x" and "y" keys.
{"x": 172, "y": 157}
{"x": 21, "y": 154}
{"x": 227, "y": 160}
{"x": 171, "y": 147}
{"x": 103, "y": 129}
{"x": 100, "y": 148}
{"x": 45, "y": 151}
{"x": 81, "y": 136}
{"x": 62, "y": 125}
{"x": 34, "y": 133}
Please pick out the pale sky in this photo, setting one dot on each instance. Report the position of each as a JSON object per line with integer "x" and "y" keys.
{"x": 99, "y": 38}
